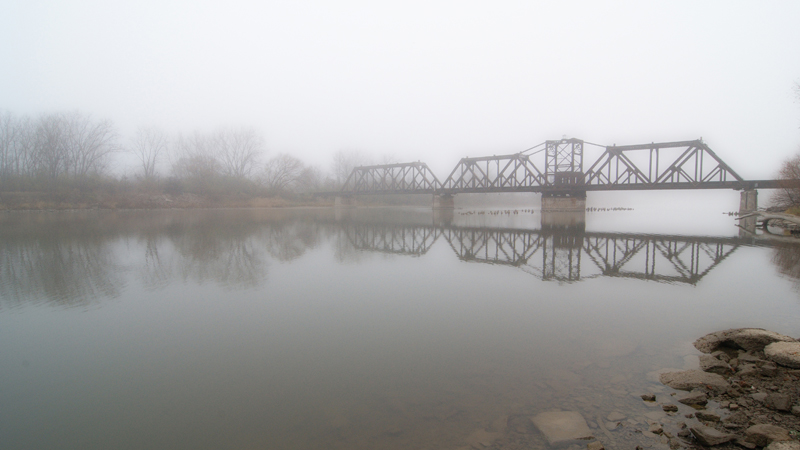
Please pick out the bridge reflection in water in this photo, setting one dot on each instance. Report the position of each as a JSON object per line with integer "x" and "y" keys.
{"x": 557, "y": 253}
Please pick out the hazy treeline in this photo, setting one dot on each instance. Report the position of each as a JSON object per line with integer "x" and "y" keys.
{"x": 38, "y": 153}
{"x": 72, "y": 151}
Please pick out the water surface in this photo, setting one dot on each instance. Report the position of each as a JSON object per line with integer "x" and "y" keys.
{"x": 365, "y": 328}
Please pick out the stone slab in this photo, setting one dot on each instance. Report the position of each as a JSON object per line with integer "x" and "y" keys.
{"x": 560, "y": 427}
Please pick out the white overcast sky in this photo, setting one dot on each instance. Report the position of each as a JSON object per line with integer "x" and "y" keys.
{"x": 420, "y": 80}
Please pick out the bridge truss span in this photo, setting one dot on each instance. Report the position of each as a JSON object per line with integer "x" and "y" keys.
{"x": 506, "y": 173}
{"x": 403, "y": 178}
{"x": 686, "y": 164}
{"x": 557, "y": 168}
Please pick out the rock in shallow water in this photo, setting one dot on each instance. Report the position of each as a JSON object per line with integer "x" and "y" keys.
{"x": 749, "y": 339}
{"x": 562, "y": 426}
{"x": 694, "y": 398}
{"x": 710, "y": 436}
{"x": 784, "y": 353}
{"x": 690, "y": 379}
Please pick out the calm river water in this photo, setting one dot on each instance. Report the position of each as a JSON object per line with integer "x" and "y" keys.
{"x": 359, "y": 329}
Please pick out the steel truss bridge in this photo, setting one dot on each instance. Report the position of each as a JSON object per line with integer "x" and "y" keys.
{"x": 557, "y": 255}
{"x": 558, "y": 168}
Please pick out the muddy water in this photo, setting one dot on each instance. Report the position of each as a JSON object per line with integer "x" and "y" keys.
{"x": 367, "y": 328}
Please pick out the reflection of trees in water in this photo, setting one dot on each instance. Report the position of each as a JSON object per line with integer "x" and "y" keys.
{"x": 230, "y": 261}
{"x": 156, "y": 272}
{"x": 287, "y": 242}
{"x": 71, "y": 258}
{"x": 62, "y": 272}
{"x": 787, "y": 258}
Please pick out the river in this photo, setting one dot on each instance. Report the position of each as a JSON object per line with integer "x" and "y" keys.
{"x": 369, "y": 328}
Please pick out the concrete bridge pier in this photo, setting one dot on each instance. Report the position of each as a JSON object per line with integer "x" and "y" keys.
{"x": 748, "y": 202}
{"x": 444, "y": 201}
{"x": 344, "y": 201}
{"x": 561, "y": 202}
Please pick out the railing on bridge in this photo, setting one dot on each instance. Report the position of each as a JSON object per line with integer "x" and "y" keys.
{"x": 558, "y": 255}
{"x": 557, "y": 168}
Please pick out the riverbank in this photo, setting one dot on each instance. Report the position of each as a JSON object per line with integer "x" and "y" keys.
{"x": 39, "y": 201}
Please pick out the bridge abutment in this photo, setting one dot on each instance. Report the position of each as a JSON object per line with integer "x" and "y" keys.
{"x": 444, "y": 201}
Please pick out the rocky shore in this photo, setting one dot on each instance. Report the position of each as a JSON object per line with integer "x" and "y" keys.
{"x": 745, "y": 393}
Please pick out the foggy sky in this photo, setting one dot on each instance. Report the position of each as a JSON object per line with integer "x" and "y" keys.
{"x": 419, "y": 80}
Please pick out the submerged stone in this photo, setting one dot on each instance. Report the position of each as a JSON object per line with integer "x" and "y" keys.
{"x": 562, "y": 426}
{"x": 710, "y": 436}
{"x": 690, "y": 379}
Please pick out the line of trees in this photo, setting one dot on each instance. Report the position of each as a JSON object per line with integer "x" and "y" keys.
{"x": 71, "y": 150}
{"x": 53, "y": 148}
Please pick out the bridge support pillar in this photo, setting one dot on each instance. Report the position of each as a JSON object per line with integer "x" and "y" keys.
{"x": 748, "y": 201}
{"x": 344, "y": 201}
{"x": 564, "y": 203}
{"x": 444, "y": 201}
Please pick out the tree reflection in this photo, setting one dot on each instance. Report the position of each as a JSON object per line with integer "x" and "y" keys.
{"x": 62, "y": 272}
{"x": 787, "y": 259}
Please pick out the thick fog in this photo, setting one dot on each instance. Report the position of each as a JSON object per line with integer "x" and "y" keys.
{"x": 418, "y": 80}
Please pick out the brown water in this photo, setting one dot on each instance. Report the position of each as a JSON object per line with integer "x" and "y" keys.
{"x": 360, "y": 329}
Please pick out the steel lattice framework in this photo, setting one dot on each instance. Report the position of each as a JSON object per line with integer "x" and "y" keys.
{"x": 399, "y": 239}
{"x": 557, "y": 168}
{"x": 558, "y": 255}
{"x": 656, "y": 166}
{"x": 402, "y": 178}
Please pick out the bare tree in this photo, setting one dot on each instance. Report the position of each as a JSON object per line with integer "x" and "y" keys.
{"x": 344, "y": 161}
{"x": 195, "y": 157}
{"x": 788, "y": 197}
{"x": 282, "y": 172}
{"x": 309, "y": 180}
{"x": 238, "y": 151}
{"x": 15, "y": 149}
{"x": 49, "y": 148}
{"x": 88, "y": 144}
{"x": 149, "y": 145}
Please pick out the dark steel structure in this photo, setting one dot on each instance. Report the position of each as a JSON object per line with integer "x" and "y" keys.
{"x": 556, "y": 168}
{"x": 558, "y": 255}
{"x": 402, "y": 178}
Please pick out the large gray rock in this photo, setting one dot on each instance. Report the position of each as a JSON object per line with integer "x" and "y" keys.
{"x": 763, "y": 435}
{"x": 562, "y": 426}
{"x": 783, "y": 445}
{"x": 694, "y": 398}
{"x": 711, "y": 364}
{"x": 710, "y": 436}
{"x": 784, "y": 353}
{"x": 750, "y": 339}
{"x": 689, "y": 379}
{"x": 781, "y": 402}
